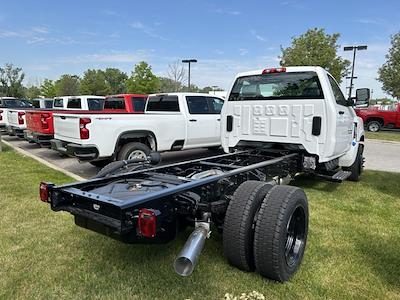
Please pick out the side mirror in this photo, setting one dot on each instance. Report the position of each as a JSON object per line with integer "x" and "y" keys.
{"x": 362, "y": 97}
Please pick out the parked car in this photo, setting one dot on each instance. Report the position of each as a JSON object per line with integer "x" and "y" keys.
{"x": 42, "y": 103}
{"x": 277, "y": 123}
{"x": 40, "y": 128}
{"x": 175, "y": 121}
{"x": 376, "y": 118}
{"x": 39, "y": 122}
{"x": 12, "y": 113}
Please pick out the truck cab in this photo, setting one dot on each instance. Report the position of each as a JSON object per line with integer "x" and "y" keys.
{"x": 297, "y": 108}
{"x": 82, "y": 102}
{"x": 42, "y": 103}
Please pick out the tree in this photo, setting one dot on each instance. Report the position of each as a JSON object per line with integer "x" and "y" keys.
{"x": 116, "y": 80}
{"x": 389, "y": 73}
{"x": 167, "y": 85}
{"x": 32, "y": 92}
{"x": 11, "y": 81}
{"x": 142, "y": 80}
{"x": 316, "y": 48}
{"x": 67, "y": 85}
{"x": 94, "y": 83}
{"x": 176, "y": 73}
{"x": 48, "y": 88}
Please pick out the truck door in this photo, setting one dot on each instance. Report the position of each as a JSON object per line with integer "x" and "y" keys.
{"x": 201, "y": 127}
{"x": 216, "y": 105}
{"x": 344, "y": 120}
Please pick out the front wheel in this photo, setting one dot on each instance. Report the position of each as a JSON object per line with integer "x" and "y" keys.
{"x": 358, "y": 165}
{"x": 374, "y": 126}
{"x": 133, "y": 150}
{"x": 281, "y": 232}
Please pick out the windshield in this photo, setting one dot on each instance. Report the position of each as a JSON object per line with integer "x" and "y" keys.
{"x": 275, "y": 86}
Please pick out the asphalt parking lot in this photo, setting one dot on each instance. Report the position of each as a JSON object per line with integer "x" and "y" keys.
{"x": 379, "y": 155}
{"x": 85, "y": 169}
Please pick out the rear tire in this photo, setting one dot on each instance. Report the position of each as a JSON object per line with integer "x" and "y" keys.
{"x": 358, "y": 165}
{"x": 281, "y": 232}
{"x": 238, "y": 230}
{"x": 133, "y": 150}
{"x": 100, "y": 163}
{"x": 374, "y": 126}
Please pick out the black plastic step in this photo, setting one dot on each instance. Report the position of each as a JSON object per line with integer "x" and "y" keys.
{"x": 337, "y": 177}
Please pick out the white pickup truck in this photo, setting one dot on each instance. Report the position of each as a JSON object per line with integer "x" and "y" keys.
{"x": 298, "y": 109}
{"x": 12, "y": 115}
{"x": 174, "y": 121}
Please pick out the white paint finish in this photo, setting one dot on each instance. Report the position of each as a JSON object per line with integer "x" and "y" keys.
{"x": 290, "y": 121}
{"x": 167, "y": 127}
{"x": 12, "y": 117}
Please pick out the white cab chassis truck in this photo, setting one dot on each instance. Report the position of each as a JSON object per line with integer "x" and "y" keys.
{"x": 276, "y": 124}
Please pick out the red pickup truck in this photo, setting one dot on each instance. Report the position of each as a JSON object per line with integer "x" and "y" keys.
{"x": 375, "y": 119}
{"x": 40, "y": 127}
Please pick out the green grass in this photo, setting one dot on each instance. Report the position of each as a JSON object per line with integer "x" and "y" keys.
{"x": 353, "y": 248}
{"x": 383, "y": 135}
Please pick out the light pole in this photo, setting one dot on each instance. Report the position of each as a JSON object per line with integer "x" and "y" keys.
{"x": 189, "y": 61}
{"x": 214, "y": 87}
{"x": 354, "y": 49}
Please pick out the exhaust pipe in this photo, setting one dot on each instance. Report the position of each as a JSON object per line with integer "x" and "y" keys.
{"x": 187, "y": 259}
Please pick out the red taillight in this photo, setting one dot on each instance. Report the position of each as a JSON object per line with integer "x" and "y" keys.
{"x": 84, "y": 132}
{"x": 147, "y": 223}
{"x": 43, "y": 120}
{"x": 274, "y": 70}
{"x": 20, "y": 119}
{"x": 44, "y": 192}
{"x": 1, "y": 115}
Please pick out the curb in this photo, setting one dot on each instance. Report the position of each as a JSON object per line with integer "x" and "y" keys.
{"x": 42, "y": 161}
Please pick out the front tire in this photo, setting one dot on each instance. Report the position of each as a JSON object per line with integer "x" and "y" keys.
{"x": 133, "y": 150}
{"x": 358, "y": 165}
{"x": 374, "y": 126}
{"x": 238, "y": 230}
{"x": 281, "y": 232}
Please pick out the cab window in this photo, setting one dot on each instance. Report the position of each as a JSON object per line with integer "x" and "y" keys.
{"x": 198, "y": 105}
{"x": 337, "y": 93}
{"x": 114, "y": 103}
{"x": 74, "y": 103}
{"x": 215, "y": 105}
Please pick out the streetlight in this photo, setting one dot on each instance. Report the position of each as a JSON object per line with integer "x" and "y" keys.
{"x": 189, "y": 61}
{"x": 354, "y": 49}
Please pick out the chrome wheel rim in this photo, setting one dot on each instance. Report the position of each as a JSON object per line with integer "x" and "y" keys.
{"x": 135, "y": 154}
{"x": 373, "y": 127}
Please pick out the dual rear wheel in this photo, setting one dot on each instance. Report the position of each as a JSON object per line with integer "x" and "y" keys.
{"x": 266, "y": 228}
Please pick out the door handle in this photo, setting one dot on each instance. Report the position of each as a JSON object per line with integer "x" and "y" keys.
{"x": 341, "y": 112}
{"x": 192, "y": 120}
{"x": 218, "y": 119}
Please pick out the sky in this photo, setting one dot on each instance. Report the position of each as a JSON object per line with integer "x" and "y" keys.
{"x": 50, "y": 38}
